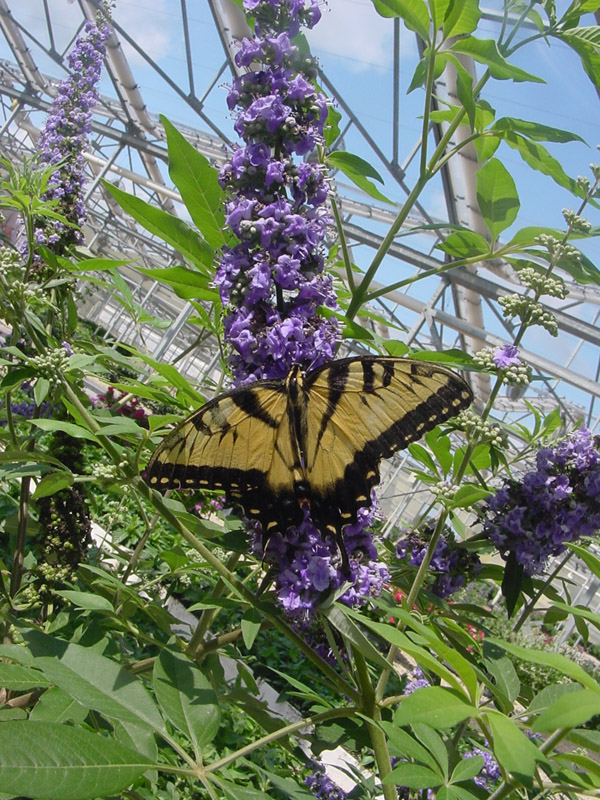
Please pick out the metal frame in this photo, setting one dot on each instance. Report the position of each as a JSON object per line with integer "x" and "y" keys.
{"x": 128, "y": 145}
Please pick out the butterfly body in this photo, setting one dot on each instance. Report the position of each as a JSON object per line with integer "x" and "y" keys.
{"x": 315, "y": 437}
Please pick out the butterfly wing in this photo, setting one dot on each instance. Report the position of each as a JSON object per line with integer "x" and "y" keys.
{"x": 240, "y": 443}
{"x": 361, "y": 410}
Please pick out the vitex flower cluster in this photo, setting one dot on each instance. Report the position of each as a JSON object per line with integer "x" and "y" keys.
{"x": 272, "y": 281}
{"x": 64, "y": 135}
{"x": 451, "y": 566}
{"x": 556, "y": 503}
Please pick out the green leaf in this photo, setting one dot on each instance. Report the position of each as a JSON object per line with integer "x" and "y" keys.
{"x": 359, "y": 171}
{"x": 197, "y": 182}
{"x": 467, "y": 495}
{"x": 40, "y": 390}
{"x": 467, "y": 768}
{"x": 497, "y": 197}
{"x": 512, "y": 582}
{"x": 171, "y": 229}
{"x": 76, "y": 431}
{"x": 579, "y": 612}
{"x": 97, "y": 264}
{"x": 186, "y": 283}
{"x": 540, "y": 159}
{"x": 533, "y": 130}
{"x": 55, "y": 705}
{"x": 435, "y": 706}
{"x": 502, "y": 670}
{"x": 588, "y": 54}
{"x": 87, "y": 600}
{"x": 550, "y": 695}
{"x": 51, "y": 483}
{"x": 434, "y": 744}
{"x": 461, "y": 17}
{"x": 18, "y": 678}
{"x": 590, "y": 33}
{"x": 414, "y": 14}
{"x": 423, "y": 657}
{"x": 419, "y": 453}
{"x": 413, "y": 776}
{"x": 187, "y": 698}
{"x": 48, "y": 760}
{"x": 513, "y": 750}
{"x": 339, "y": 619}
{"x": 590, "y": 560}
{"x": 485, "y": 51}
{"x": 569, "y": 711}
{"x": 403, "y": 744}
{"x": 16, "y": 376}
{"x": 557, "y": 661}
{"x": 250, "y": 624}
{"x": 465, "y": 244}
{"x": 94, "y": 681}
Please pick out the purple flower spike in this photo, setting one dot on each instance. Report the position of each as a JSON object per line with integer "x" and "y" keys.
{"x": 272, "y": 282}
{"x": 64, "y": 136}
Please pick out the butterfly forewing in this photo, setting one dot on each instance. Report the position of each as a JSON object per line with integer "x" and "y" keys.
{"x": 235, "y": 443}
{"x": 366, "y": 409}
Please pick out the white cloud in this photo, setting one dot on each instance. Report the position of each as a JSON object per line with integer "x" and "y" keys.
{"x": 150, "y": 24}
{"x": 353, "y": 31}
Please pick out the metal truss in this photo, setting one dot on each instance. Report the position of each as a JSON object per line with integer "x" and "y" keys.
{"x": 459, "y": 308}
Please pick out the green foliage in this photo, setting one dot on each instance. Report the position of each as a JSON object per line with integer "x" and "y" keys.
{"x": 106, "y": 693}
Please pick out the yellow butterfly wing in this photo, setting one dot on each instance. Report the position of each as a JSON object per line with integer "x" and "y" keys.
{"x": 361, "y": 410}
{"x": 240, "y": 443}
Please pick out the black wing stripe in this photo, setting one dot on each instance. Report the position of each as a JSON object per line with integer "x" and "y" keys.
{"x": 248, "y": 402}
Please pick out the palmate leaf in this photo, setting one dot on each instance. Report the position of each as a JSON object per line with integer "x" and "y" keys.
{"x": 49, "y": 760}
{"x": 359, "y": 171}
{"x": 569, "y": 711}
{"x": 414, "y": 14}
{"x": 485, "y": 51}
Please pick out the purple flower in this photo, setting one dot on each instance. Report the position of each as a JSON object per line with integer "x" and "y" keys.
{"x": 557, "y": 503}
{"x": 65, "y": 134}
{"x": 506, "y": 356}
{"x": 490, "y": 772}
{"x": 451, "y": 565}
{"x": 321, "y": 785}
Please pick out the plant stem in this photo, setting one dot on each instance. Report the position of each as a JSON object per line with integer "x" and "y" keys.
{"x": 196, "y": 642}
{"x": 371, "y": 710}
{"x": 334, "y": 713}
{"x": 531, "y": 604}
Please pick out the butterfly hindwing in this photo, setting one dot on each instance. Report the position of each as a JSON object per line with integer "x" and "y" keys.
{"x": 366, "y": 409}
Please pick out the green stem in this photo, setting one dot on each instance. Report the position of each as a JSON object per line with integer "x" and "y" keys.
{"x": 301, "y": 725}
{"x": 532, "y": 603}
{"x": 371, "y": 710}
{"x": 344, "y": 244}
{"x": 427, "y": 110}
{"x": 208, "y": 615}
{"x": 19, "y": 554}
